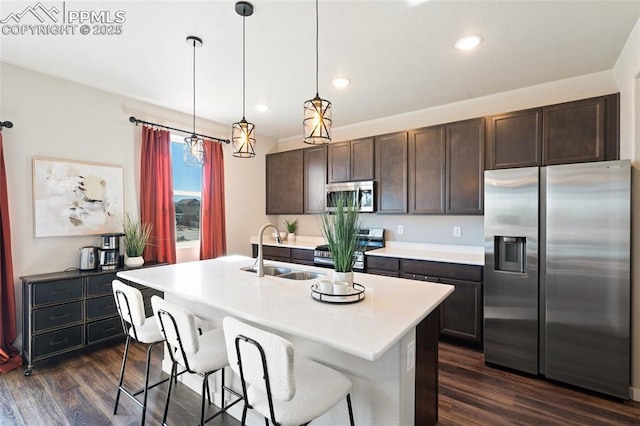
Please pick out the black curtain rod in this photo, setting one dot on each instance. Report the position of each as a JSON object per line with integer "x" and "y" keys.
{"x": 137, "y": 121}
{"x": 6, "y": 124}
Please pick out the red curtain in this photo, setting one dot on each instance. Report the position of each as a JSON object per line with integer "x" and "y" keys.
{"x": 156, "y": 195}
{"x": 213, "y": 234}
{"x": 10, "y": 357}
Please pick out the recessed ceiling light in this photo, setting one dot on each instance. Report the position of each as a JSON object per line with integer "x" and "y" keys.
{"x": 262, "y": 108}
{"x": 340, "y": 82}
{"x": 468, "y": 42}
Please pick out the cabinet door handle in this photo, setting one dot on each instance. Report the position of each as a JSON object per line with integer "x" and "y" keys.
{"x": 104, "y": 330}
{"x": 65, "y": 340}
{"x": 57, "y": 317}
{"x": 110, "y": 305}
{"x": 66, "y": 290}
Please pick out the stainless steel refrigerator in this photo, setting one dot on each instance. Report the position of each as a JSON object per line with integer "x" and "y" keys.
{"x": 557, "y": 273}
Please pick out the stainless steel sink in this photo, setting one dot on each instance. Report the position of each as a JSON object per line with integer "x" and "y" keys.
{"x": 301, "y": 275}
{"x": 268, "y": 270}
{"x": 280, "y": 272}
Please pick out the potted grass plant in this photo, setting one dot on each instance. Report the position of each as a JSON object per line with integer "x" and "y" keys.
{"x": 292, "y": 226}
{"x": 340, "y": 231}
{"x": 136, "y": 237}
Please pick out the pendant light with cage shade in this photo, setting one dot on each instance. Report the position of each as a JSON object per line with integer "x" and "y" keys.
{"x": 193, "y": 152}
{"x": 316, "y": 126}
{"x": 243, "y": 133}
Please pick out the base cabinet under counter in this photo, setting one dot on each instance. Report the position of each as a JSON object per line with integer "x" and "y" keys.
{"x": 461, "y": 314}
{"x": 284, "y": 254}
{"x": 66, "y": 311}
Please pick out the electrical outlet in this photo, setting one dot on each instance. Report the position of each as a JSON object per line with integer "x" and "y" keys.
{"x": 411, "y": 355}
{"x": 400, "y": 229}
{"x": 457, "y": 231}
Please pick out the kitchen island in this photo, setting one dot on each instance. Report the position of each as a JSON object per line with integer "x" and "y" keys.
{"x": 386, "y": 343}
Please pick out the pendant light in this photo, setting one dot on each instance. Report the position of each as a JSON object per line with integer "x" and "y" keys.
{"x": 194, "y": 145}
{"x": 243, "y": 133}
{"x": 316, "y": 127}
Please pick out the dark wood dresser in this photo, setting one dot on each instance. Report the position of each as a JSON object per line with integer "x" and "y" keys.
{"x": 70, "y": 310}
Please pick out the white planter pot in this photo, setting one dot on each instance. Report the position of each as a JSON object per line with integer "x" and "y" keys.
{"x": 291, "y": 237}
{"x": 133, "y": 262}
{"x": 343, "y": 276}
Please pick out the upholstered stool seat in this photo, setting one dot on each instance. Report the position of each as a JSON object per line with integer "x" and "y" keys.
{"x": 283, "y": 388}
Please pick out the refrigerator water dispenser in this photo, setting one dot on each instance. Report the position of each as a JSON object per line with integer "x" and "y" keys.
{"x": 510, "y": 254}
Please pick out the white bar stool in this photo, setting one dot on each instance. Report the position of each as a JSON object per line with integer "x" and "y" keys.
{"x": 286, "y": 389}
{"x": 199, "y": 354}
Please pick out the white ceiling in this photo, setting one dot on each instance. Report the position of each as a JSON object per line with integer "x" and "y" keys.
{"x": 398, "y": 54}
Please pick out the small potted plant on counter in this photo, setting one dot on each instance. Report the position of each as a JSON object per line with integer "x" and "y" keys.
{"x": 292, "y": 226}
{"x": 340, "y": 231}
{"x": 136, "y": 237}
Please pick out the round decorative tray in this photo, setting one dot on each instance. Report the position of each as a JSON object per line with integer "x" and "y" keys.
{"x": 356, "y": 295}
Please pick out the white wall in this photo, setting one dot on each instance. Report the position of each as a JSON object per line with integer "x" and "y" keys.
{"x": 627, "y": 77}
{"x": 59, "y": 119}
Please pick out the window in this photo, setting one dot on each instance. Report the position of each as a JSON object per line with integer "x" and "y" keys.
{"x": 187, "y": 192}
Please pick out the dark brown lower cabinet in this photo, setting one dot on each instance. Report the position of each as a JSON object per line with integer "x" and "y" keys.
{"x": 284, "y": 254}
{"x": 461, "y": 314}
{"x": 379, "y": 265}
{"x": 67, "y": 311}
{"x": 302, "y": 256}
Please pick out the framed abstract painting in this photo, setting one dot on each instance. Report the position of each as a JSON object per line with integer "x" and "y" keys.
{"x": 76, "y": 198}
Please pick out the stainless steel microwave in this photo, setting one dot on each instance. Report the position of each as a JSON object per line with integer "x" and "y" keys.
{"x": 362, "y": 193}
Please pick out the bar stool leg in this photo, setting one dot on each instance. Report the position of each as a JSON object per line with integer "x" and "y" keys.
{"x": 351, "y": 422}
{"x": 222, "y": 390}
{"x": 174, "y": 369}
{"x": 205, "y": 388}
{"x": 124, "y": 363}
{"x": 146, "y": 383}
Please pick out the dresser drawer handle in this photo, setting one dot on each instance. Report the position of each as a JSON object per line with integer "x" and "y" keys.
{"x": 104, "y": 330}
{"x": 108, "y": 306}
{"x": 54, "y": 317}
{"x": 59, "y": 342}
{"x": 66, "y": 290}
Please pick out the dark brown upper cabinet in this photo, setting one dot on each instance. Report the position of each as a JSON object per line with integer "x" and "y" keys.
{"x": 465, "y": 166}
{"x": 351, "y": 160}
{"x": 285, "y": 182}
{"x": 427, "y": 176}
{"x": 576, "y": 132}
{"x": 391, "y": 172}
{"x": 572, "y": 132}
{"x": 515, "y": 139}
{"x": 315, "y": 179}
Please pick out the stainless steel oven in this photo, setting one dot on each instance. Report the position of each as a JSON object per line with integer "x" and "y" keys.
{"x": 361, "y": 192}
{"x": 369, "y": 239}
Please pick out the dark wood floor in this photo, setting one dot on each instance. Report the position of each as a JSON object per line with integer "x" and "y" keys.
{"x": 472, "y": 393}
{"x": 79, "y": 390}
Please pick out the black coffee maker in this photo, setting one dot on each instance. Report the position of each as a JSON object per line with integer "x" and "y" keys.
{"x": 111, "y": 256}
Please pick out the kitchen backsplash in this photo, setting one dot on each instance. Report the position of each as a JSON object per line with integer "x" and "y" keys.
{"x": 418, "y": 229}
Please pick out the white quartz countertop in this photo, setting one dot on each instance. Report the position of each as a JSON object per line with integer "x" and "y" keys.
{"x": 469, "y": 255}
{"x": 366, "y": 329}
